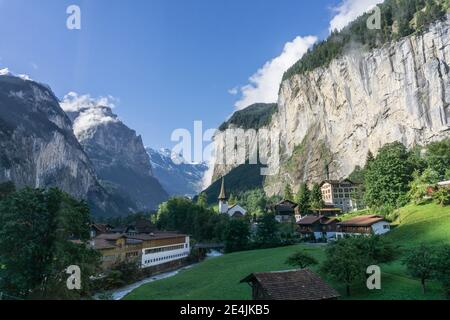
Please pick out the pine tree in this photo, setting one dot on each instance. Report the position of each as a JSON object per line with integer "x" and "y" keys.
{"x": 317, "y": 197}
{"x": 288, "y": 195}
{"x": 303, "y": 199}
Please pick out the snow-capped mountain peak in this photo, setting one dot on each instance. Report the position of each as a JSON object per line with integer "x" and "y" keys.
{"x": 177, "y": 176}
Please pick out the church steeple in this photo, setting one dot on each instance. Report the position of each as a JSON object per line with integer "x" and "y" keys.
{"x": 223, "y": 203}
{"x": 223, "y": 194}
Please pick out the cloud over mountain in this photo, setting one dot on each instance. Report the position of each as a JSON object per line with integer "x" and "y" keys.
{"x": 264, "y": 84}
{"x": 89, "y": 112}
{"x": 349, "y": 10}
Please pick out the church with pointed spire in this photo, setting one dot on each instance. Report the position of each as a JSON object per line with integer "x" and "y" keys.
{"x": 234, "y": 211}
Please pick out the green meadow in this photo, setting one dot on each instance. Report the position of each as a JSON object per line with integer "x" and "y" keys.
{"x": 218, "y": 278}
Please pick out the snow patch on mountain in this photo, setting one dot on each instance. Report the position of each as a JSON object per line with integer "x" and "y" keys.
{"x": 178, "y": 177}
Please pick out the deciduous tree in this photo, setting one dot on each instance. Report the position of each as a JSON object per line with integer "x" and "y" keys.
{"x": 302, "y": 260}
{"x": 421, "y": 263}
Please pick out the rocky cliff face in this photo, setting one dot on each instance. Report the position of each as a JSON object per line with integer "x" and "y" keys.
{"x": 117, "y": 153}
{"x": 38, "y": 148}
{"x": 331, "y": 117}
{"x": 176, "y": 176}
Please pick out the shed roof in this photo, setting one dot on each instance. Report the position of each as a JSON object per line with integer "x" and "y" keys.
{"x": 293, "y": 285}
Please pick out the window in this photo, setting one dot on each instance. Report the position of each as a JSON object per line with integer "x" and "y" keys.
{"x": 165, "y": 249}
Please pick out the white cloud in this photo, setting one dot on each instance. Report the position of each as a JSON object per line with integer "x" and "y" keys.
{"x": 73, "y": 102}
{"x": 5, "y": 72}
{"x": 265, "y": 83}
{"x": 91, "y": 111}
{"x": 234, "y": 91}
{"x": 349, "y": 10}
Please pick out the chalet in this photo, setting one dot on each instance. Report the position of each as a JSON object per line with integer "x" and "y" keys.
{"x": 340, "y": 194}
{"x": 363, "y": 226}
{"x": 328, "y": 211}
{"x": 290, "y": 285}
{"x": 285, "y": 211}
{"x": 149, "y": 250}
{"x": 235, "y": 211}
{"x": 143, "y": 226}
{"x": 100, "y": 228}
{"x": 318, "y": 227}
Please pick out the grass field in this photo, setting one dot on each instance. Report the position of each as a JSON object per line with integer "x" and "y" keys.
{"x": 219, "y": 278}
{"x": 422, "y": 224}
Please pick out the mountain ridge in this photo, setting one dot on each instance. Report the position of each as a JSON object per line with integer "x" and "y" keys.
{"x": 116, "y": 151}
{"x": 177, "y": 176}
{"x": 38, "y": 148}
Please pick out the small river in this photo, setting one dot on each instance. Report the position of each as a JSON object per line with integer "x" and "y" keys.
{"x": 119, "y": 294}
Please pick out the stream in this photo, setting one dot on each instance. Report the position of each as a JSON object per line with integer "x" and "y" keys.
{"x": 119, "y": 294}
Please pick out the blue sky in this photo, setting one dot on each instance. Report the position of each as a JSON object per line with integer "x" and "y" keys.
{"x": 168, "y": 62}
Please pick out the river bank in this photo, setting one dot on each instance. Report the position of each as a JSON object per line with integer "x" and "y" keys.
{"x": 119, "y": 294}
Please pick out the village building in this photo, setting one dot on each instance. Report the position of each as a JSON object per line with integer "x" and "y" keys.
{"x": 234, "y": 211}
{"x": 363, "y": 226}
{"x": 159, "y": 249}
{"x": 340, "y": 194}
{"x": 317, "y": 227}
{"x": 290, "y": 285}
{"x": 285, "y": 211}
{"x": 99, "y": 228}
{"x": 328, "y": 211}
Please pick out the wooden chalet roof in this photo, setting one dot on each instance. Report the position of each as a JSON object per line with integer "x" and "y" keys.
{"x": 101, "y": 227}
{"x": 284, "y": 207}
{"x": 309, "y": 220}
{"x": 103, "y": 244}
{"x": 293, "y": 285}
{"x": 144, "y": 226}
{"x": 362, "y": 221}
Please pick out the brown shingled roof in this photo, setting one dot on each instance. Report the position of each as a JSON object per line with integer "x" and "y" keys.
{"x": 293, "y": 285}
{"x": 102, "y": 244}
{"x": 111, "y": 236}
{"x": 362, "y": 221}
{"x": 308, "y": 220}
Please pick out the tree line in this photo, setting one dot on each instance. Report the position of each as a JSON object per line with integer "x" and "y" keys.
{"x": 398, "y": 176}
{"x": 399, "y": 18}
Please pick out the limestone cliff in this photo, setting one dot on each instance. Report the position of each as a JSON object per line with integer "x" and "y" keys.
{"x": 38, "y": 148}
{"x": 332, "y": 116}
